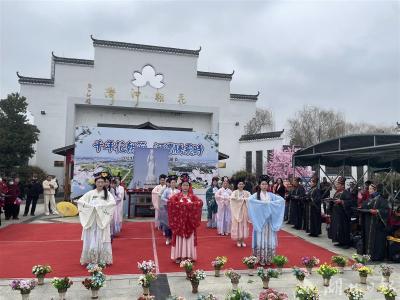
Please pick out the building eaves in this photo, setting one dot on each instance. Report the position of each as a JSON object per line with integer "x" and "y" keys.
{"x": 261, "y": 136}
{"x": 74, "y": 61}
{"x": 244, "y": 97}
{"x": 141, "y": 47}
{"x": 35, "y": 80}
{"x": 215, "y": 75}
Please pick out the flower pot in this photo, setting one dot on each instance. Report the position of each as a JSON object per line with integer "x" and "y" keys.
{"x": 386, "y": 278}
{"x": 326, "y": 281}
{"x": 363, "y": 279}
{"x": 235, "y": 284}
{"x": 95, "y": 293}
{"x": 188, "y": 273}
{"x": 390, "y": 298}
{"x": 251, "y": 271}
{"x": 61, "y": 294}
{"x": 146, "y": 290}
{"x": 340, "y": 269}
{"x": 217, "y": 272}
{"x": 309, "y": 269}
{"x": 25, "y": 296}
{"x": 265, "y": 283}
{"x": 40, "y": 279}
{"x": 195, "y": 287}
{"x": 279, "y": 270}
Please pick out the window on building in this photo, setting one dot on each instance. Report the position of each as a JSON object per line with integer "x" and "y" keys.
{"x": 59, "y": 163}
{"x": 249, "y": 162}
{"x": 259, "y": 166}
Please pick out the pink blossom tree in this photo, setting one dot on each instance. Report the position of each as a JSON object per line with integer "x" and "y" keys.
{"x": 280, "y": 165}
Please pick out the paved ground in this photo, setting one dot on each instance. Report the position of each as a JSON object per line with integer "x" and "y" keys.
{"x": 126, "y": 287}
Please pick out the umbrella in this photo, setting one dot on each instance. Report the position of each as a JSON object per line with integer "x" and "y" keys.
{"x": 67, "y": 209}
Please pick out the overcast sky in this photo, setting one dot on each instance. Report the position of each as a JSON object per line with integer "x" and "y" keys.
{"x": 343, "y": 55}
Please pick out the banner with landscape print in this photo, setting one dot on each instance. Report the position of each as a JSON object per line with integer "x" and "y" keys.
{"x": 113, "y": 150}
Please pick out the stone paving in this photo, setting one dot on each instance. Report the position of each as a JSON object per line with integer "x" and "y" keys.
{"x": 126, "y": 287}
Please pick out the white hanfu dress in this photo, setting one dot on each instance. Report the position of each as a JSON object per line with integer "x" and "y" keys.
{"x": 155, "y": 198}
{"x": 224, "y": 218}
{"x": 266, "y": 214}
{"x": 95, "y": 214}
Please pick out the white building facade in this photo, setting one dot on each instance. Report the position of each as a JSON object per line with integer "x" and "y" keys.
{"x": 127, "y": 85}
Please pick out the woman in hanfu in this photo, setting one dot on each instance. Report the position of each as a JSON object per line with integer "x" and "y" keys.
{"x": 224, "y": 217}
{"x": 116, "y": 221}
{"x": 184, "y": 216}
{"x": 96, "y": 209}
{"x": 163, "y": 214}
{"x": 240, "y": 228}
{"x": 266, "y": 211}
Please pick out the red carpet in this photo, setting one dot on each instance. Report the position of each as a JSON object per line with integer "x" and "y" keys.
{"x": 24, "y": 245}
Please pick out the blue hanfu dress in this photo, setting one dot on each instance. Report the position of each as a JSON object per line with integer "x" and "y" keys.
{"x": 266, "y": 214}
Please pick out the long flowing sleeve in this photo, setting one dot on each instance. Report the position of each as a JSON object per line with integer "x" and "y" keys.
{"x": 87, "y": 214}
{"x": 105, "y": 211}
{"x": 261, "y": 212}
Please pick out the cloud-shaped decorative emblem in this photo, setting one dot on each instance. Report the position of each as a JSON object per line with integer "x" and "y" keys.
{"x": 148, "y": 76}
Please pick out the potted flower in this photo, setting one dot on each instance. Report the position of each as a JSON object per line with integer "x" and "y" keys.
{"x": 195, "y": 278}
{"x": 306, "y": 292}
{"x": 219, "y": 263}
{"x": 238, "y": 294}
{"x": 280, "y": 261}
{"x": 327, "y": 271}
{"x": 40, "y": 272}
{"x": 354, "y": 293}
{"x": 361, "y": 259}
{"x": 309, "y": 262}
{"x": 24, "y": 286}
{"x": 387, "y": 291}
{"x": 147, "y": 266}
{"x": 234, "y": 277}
{"x": 148, "y": 297}
{"x": 363, "y": 271}
{"x": 340, "y": 262}
{"x": 250, "y": 262}
{"x": 207, "y": 297}
{"x": 300, "y": 274}
{"x": 386, "y": 271}
{"x": 266, "y": 274}
{"x": 96, "y": 280}
{"x": 173, "y": 297}
{"x": 62, "y": 285}
{"x": 145, "y": 280}
{"x": 187, "y": 264}
{"x": 271, "y": 294}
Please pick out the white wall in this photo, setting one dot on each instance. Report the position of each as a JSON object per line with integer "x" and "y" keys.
{"x": 258, "y": 145}
{"x": 114, "y": 68}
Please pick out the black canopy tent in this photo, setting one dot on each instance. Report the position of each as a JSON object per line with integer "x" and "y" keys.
{"x": 377, "y": 151}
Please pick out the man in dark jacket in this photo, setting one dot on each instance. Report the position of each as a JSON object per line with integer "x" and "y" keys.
{"x": 33, "y": 190}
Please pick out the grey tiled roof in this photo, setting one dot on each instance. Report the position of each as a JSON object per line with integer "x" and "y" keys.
{"x": 113, "y": 44}
{"x": 215, "y": 75}
{"x": 245, "y": 97}
{"x": 261, "y": 136}
{"x": 67, "y": 60}
{"x": 35, "y": 80}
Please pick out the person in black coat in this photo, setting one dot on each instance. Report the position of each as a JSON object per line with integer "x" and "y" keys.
{"x": 374, "y": 224}
{"x": 313, "y": 209}
{"x": 341, "y": 209}
{"x": 296, "y": 204}
{"x": 33, "y": 190}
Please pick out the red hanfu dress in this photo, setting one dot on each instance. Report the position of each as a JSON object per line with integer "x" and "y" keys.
{"x": 184, "y": 216}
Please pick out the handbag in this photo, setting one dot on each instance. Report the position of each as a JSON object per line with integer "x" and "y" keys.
{"x": 18, "y": 201}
